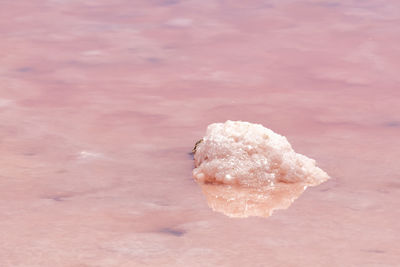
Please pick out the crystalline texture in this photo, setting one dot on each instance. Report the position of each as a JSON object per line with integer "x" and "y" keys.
{"x": 244, "y": 157}
{"x": 248, "y": 154}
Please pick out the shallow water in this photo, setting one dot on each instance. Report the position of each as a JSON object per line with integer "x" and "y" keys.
{"x": 101, "y": 103}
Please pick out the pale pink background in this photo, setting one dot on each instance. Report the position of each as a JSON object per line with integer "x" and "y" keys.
{"x": 101, "y": 101}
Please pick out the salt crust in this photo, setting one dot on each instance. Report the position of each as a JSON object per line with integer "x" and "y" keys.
{"x": 250, "y": 155}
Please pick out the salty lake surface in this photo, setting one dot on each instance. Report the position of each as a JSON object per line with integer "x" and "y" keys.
{"x": 102, "y": 101}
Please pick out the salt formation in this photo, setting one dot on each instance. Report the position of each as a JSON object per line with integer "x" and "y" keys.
{"x": 246, "y": 169}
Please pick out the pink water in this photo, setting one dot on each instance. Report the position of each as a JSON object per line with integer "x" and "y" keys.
{"x": 101, "y": 102}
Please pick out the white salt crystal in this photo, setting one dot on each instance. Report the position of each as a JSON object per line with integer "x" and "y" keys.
{"x": 250, "y": 155}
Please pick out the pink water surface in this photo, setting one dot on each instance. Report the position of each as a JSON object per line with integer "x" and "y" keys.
{"x": 102, "y": 101}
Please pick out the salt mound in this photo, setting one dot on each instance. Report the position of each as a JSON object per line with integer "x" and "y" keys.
{"x": 248, "y": 162}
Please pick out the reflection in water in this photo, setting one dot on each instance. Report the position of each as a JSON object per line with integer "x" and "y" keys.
{"x": 236, "y": 201}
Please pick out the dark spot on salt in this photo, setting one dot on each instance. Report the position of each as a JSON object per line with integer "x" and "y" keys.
{"x": 29, "y": 154}
{"x": 378, "y": 251}
{"x": 172, "y": 231}
{"x": 328, "y": 4}
{"x": 57, "y": 198}
{"x": 169, "y": 2}
{"x": 25, "y": 69}
{"x": 393, "y": 124}
{"x": 324, "y": 189}
{"x": 153, "y": 60}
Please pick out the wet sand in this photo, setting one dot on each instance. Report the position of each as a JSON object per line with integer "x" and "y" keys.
{"x": 101, "y": 103}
